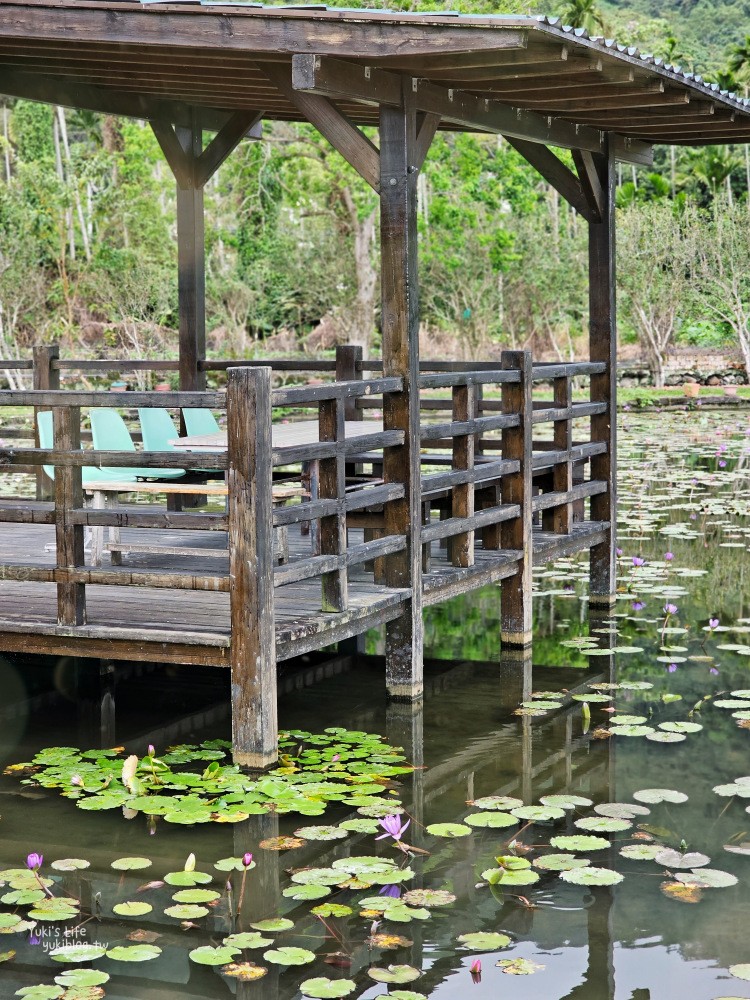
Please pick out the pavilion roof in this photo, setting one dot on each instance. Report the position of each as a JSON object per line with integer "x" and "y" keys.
{"x": 152, "y": 59}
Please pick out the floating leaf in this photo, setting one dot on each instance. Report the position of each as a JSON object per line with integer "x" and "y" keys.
{"x": 358, "y": 826}
{"x": 134, "y": 953}
{"x": 680, "y": 727}
{"x": 130, "y": 864}
{"x": 321, "y": 833}
{"x": 428, "y": 897}
{"x": 196, "y": 896}
{"x": 289, "y": 956}
{"x": 184, "y": 911}
{"x": 506, "y": 876}
{"x": 603, "y": 824}
{"x": 483, "y": 941}
{"x": 208, "y": 955}
{"x": 331, "y": 910}
{"x": 673, "y": 859}
{"x": 246, "y": 972}
{"x": 188, "y": 878}
{"x": 306, "y": 892}
{"x": 82, "y": 977}
{"x": 518, "y": 966}
{"x": 40, "y": 992}
{"x": 406, "y": 995}
{"x": 69, "y": 864}
{"x": 565, "y": 801}
{"x": 579, "y": 843}
{"x": 388, "y": 942}
{"x": 707, "y": 878}
{"x": 681, "y": 893}
{"x": 450, "y": 830}
{"x": 394, "y": 974}
{"x": 246, "y": 939}
{"x": 273, "y": 924}
{"x": 491, "y": 820}
{"x": 655, "y": 795}
{"x": 538, "y": 814}
{"x": 628, "y": 720}
{"x": 740, "y": 971}
{"x": 324, "y": 989}
{"x": 132, "y": 908}
{"x": 660, "y": 737}
{"x": 641, "y": 852}
{"x": 7, "y": 956}
{"x": 591, "y": 876}
{"x": 77, "y": 953}
{"x": 497, "y": 802}
{"x": 621, "y": 810}
{"x": 631, "y": 730}
{"x": 560, "y": 862}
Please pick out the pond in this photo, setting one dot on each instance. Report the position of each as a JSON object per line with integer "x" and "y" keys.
{"x": 577, "y": 827}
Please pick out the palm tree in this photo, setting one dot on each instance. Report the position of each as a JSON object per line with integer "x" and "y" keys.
{"x": 583, "y": 14}
{"x": 739, "y": 56}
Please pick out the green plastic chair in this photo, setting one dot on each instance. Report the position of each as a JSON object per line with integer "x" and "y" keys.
{"x": 90, "y": 474}
{"x": 158, "y": 431}
{"x": 199, "y": 422}
{"x": 110, "y": 434}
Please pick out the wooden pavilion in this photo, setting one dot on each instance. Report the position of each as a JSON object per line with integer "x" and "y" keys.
{"x": 196, "y": 69}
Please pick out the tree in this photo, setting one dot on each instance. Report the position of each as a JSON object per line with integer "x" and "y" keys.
{"x": 656, "y": 262}
{"x": 583, "y": 14}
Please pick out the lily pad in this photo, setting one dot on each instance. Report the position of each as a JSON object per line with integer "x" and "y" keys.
{"x": 69, "y": 864}
{"x": 632, "y": 730}
{"x": 629, "y": 720}
{"x": 306, "y": 892}
{"x": 560, "y": 862}
{"x": 185, "y": 911}
{"x": 641, "y": 852}
{"x": 674, "y": 859}
{"x": 538, "y": 814}
{"x": 661, "y": 737}
{"x": 394, "y": 974}
{"x": 228, "y": 865}
{"x": 321, "y": 833}
{"x": 363, "y": 825}
{"x": 77, "y": 953}
{"x": 652, "y": 796}
{"x": 591, "y": 876}
{"x": 707, "y": 878}
{"x": 323, "y": 989}
{"x": 208, "y": 955}
{"x": 518, "y": 966}
{"x": 497, "y": 802}
{"x": 483, "y": 941}
{"x": 246, "y": 939}
{"x": 40, "y": 992}
{"x": 246, "y": 972}
{"x": 134, "y": 953}
{"x": 565, "y": 801}
{"x": 428, "y": 897}
{"x": 491, "y": 820}
{"x": 187, "y": 878}
{"x": 289, "y": 956}
{"x": 680, "y": 727}
{"x": 740, "y": 971}
{"x": 132, "y": 908}
{"x": 196, "y": 896}
{"x": 506, "y": 876}
{"x": 603, "y": 824}
{"x": 273, "y": 924}
{"x": 331, "y": 910}
{"x": 82, "y": 977}
{"x": 579, "y": 843}
{"x": 450, "y": 830}
{"x": 130, "y": 864}
{"x": 621, "y": 810}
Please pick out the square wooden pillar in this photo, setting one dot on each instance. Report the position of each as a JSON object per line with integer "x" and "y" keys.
{"x": 399, "y": 171}
{"x": 191, "y": 261}
{"x": 603, "y": 347}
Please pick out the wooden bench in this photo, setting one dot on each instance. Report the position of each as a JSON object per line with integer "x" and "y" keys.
{"x": 104, "y": 496}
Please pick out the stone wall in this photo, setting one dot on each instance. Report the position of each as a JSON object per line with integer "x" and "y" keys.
{"x": 712, "y": 366}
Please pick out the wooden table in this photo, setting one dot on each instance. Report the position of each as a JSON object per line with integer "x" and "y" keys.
{"x": 289, "y": 435}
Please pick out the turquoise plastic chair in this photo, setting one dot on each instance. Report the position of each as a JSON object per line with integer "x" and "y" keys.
{"x": 110, "y": 434}
{"x": 90, "y": 474}
{"x": 199, "y": 422}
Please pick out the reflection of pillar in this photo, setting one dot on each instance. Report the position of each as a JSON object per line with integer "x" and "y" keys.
{"x": 263, "y": 892}
{"x": 404, "y": 727}
{"x": 95, "y": 697}
{"x": 516, "y": 671}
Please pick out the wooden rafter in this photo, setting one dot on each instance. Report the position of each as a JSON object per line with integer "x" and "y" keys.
{"x": 558, "y": 175}
{"x": 190, "y": 171}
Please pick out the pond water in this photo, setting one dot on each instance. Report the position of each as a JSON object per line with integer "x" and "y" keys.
{"x": 668, "y": 925}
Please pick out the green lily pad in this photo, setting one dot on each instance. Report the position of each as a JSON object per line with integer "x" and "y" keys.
{"x": 660, "y": 737}
{"x": 357, "y": 826}
{"x": 130, "y": 864}
{"x": 519, "y": 966}
{"x": 77, "y": 953}
{"x": 741, "y": 694}
{"x": 428, "y": 897}
{"x": 332, "y": 910}
{"x": 707, "y": 878}
{"x": 208, "y": 955}
{"x": 565, "y": 801}
{"x": 680, "y": 727}
{"x": 323, "y": 989}
{"x": 560, "y": 862}
{"x": 134, "y": 953}
{"x": 69, "y": 864}
{"x": 483, "y": 941}
{"x": 450, "y": 830}
{"x": 246, "y": 939}
{"x": 593, "y": 698}
{"x": 187, "y": 878}
{"x": 82, "y": 977}
{"x": 22, "y": 897}
{"x": 406, "y": 995}
{"x": 603, "y": 824}
{"x": 8, "y": 920}
{"x": 631, "y": 730}
{"x": 289, "y": 956}
{"x": 506, "y": 876}
{"x": 186, "y": 911}
{"x": 40, "y": 992}
{"x": 652, "y": 796}
{"x": 674, "y": 859}
{"x": 196, "y": 896}
{"x": 320, "y": 876}
{"x": 132, "y": 908}
{"x": 491, "y": 820}
{"x": 321, "y": 833}
{"x": 232, "y": 865}
{"x": 273, "y": 924}
{"x": 621, "y": 810}
{"x": 591, "y": 876}
{"x": 731, "y": 703}
{"x": 628, "y": 720}
{"x": 394, "y": 974}
{"x": 497, "y": 802}
{"x": 306, "y": 892}
{"x": 579, "y": 843}
{"x": 538, "y": 814}
{"x": 641, "y": 852}
{"x": 740, "y": 971}
{"x": 739, "y": 788}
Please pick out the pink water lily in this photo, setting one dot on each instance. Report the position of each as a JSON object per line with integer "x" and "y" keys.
{"x": 713, "y": 623}
{"x": 476, "y": 970}
{"x": 247, "y": 859}
{"x": 393, "y": 827}
{"x": 34, "y": 861}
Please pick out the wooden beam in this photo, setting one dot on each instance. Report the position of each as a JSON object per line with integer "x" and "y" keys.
{"x": 591, "y": 76}
{"x": 590, "y": 183}
{"x": 530, "y": 59}
{"x": 603, "y": 347}
{"x": 557, "y": 174}
{"x": 698, "y": 109}
{"x": 191, "y": 262}
{"x": 427, "y": 126}
{"x": 400, "y": 347}
{"x": 635, "y": 100}
{"x": 346, "y": 138}
{"x": 179, "y": 162}
{"x": 337, "y": 79}
{"x": 223, "y": 143}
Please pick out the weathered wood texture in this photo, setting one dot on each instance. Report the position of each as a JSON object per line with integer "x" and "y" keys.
{"x": 516, "y": 627}
{"x": 71, "y": 596}
{"x": 191, "y": 263}
{"x": 603, "y": 348}
{"x": 44, "y": 377}
{"x": 400, "y": 340}
{"x": 252, "y": 651}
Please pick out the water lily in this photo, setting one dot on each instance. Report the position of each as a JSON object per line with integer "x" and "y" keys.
{"x": 713, "y": 623}
{"x": 247, "y": 859}
{"x": 190, "y": 863}
{"x": 476, "y": 970}
{"x": 638, "y": 561}
{"x": 393, "y": 827}
{"x": 77, "y": 780}
{"x": 670, "y": 609}
{"x": 151, "y": 750}
{"x": 394, "y": 891}
{"x": 637, "y": 605}
{"x": 34, "y": 861}
{"x": 713, "y": 670}
{"x": 671, "y": 668}
{"x": 129, "y": 767}
{"x": 669, "y": 556}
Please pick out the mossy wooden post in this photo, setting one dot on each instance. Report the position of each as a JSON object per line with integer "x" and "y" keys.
{"x": 603, "y": 347}
{"x": 399, "y": 170}
{"x": 349, "y": 369}
{"x": 516, "y": 621}
{"x": 253, "y": 646}
{"x": 44, "y": 377}
{"x": 71, "y": 596}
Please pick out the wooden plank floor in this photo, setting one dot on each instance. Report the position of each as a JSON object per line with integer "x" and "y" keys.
{"x": 184, "y": 626}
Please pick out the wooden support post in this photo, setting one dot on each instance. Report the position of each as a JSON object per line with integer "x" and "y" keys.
{"x": 191, "y": 260}
{"x": 462, "y": 500}
{"x": 44, "y": 377}
{"x": 603, "y": 347}
{"x": 559, "y": 519}
{"x": 516, "y": 620}
{"x": 404, "y": 643}
{"x": 253, "y": 640}
{"x": 349, "y": 369}
{"x": 71, "y": 597}
{"x": 335, "y": 589}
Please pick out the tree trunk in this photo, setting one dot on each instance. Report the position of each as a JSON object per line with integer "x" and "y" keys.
{"x": 363, "y": 313}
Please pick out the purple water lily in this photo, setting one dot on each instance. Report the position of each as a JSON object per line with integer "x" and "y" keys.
{"x": 247, "y": 859}
{"x": 394, "y": 891}
{"x": 713, "y": 623}
{"x": 670, "y": 609}
{"x": 713, "y": 670}
{"x": 672, "y": 668}
{"x": 393, "y": 827}
{"x": 637, "y": 605}
{"x": 669, "y": 556}
{"x": 638, "y": 561}
{"x": 34, "y": 861}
